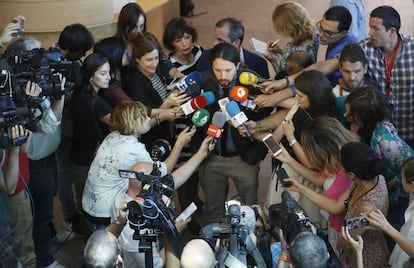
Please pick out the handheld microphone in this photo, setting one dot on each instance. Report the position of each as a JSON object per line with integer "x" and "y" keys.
{"x": 200, "y": 117}
{"x": 195, "y": 103}
{"x": 209, "y": 97}
{"x": 191, "y": 78}
{"x": 193, "y": 90}
{"x": 250, "y": 79}
{"x": 238, "y": 117}
{"x": 240, "y": 94}
{"x": 160, "y": 149}
{"x": 215, "y": 129}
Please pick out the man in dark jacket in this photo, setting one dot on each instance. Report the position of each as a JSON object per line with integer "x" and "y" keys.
{"x": 234, "y": 157}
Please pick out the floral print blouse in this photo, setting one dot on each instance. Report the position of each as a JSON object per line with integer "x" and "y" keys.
{"x": 394, "y": 151}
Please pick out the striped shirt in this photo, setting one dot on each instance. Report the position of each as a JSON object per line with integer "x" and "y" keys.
{"x": 159, "y": 86}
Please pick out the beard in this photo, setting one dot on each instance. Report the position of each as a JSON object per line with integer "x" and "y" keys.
{"x": 224, "y": 82}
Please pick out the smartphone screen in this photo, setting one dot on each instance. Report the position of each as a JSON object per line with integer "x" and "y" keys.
{"x": 356, "y": 222}
{"x": 282, "y": 175}
{"x": 273, "y": 146}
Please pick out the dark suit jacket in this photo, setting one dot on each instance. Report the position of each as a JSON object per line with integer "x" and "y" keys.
{"x": 252, "y": 61}
{"x": 140, "y": 88}
{"x": 250, "y": 152}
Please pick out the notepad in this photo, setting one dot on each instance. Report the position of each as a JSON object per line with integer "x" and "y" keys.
{"x": 259, "y": 46}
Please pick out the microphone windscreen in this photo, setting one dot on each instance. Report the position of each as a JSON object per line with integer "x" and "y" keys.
{"x": 219, "y": 119}
{"x": 248, "y": 217}
{"x": 198, "y": 102}
{"x": 248, "y": 79}
{"x": 232, "y": 108}
{"x": 160, "y": 149}
{"x": 209, "y": 97}
{"x": 200, "y": 117}
{"x": 193, "y": 78}
{"x": 239, "y": 93}
{"x": 193, "y": 90}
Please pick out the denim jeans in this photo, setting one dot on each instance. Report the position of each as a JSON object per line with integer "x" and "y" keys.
{"x": 43, "y": 177}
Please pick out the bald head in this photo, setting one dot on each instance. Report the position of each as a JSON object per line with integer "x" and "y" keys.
{"x": 197, "y": 253}
{"x": 101, "y": 250}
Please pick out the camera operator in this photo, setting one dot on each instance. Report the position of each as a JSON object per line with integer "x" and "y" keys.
{"x": 8, "y": 184}
{"x": 102, "y": 248}
{"x": 129, "y": 247}
{"x": 305, "y": 250}
{"x": 43, "y": 170}
{"x": 237, "y": 241}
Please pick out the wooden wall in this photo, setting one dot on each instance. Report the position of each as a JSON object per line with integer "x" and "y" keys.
{"x": 46, "y": 18}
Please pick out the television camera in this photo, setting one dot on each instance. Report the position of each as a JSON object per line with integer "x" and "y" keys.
{"x": 234, "y": 234}
{"x": 40, "y": 66}
{"x": 289, "y": 216}
{"x": 148, "y": 215}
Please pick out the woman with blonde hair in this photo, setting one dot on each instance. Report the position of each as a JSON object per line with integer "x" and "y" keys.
{"x": 292, "y": 21}
{"x": 121, "y": 149}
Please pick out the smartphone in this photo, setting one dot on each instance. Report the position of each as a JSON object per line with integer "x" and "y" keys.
{"x": 272, "y": 144}
{"x": 21, "y": 22}
{"x": 281, "y": 176}
{"x": 187, "y": 212}
{"x": 355, "y": 222}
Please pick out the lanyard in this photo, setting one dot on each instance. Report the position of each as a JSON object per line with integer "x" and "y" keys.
{"x": 389, "y": 63}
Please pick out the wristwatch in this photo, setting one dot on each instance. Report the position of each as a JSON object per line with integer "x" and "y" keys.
{"x": 292, "y": 142}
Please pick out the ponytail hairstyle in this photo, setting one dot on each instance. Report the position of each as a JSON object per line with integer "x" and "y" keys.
{"x": 359, "y": 158}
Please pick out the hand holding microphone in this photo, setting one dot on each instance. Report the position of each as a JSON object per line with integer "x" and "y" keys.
{"x": 238, "y": 117}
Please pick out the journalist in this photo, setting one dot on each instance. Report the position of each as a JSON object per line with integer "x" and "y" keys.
{"x": 43, "y": 169}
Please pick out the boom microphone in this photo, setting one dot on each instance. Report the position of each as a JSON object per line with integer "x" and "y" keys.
{"x": 238, "y": 117}
{"x": 215, "y": 129}
{"x": 250, "y": 79}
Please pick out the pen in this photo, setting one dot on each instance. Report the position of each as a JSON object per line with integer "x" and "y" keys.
{"x": 275, "y": 43}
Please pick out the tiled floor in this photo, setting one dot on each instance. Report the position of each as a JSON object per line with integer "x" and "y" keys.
{"x": 256, "y": 16}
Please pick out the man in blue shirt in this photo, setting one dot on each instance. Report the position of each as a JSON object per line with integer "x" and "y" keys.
{"x": 334, "y": 32}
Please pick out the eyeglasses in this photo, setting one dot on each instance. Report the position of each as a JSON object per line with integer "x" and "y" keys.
{"x": 325, "y": 32}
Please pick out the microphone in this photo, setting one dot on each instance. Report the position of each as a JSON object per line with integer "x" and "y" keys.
{"x": 160, "y": 149}
{"x": 238, "y": 117}
{"x": 200, "y": 117}
{"x": 195, "y": 103}
{"x": 240, "y": 94}
{"x": 184, "y": 82}
{"x": 209, "y": 97}
{"x": 193, "y": 90}
{"x": 215, "y": 129}
{"x": 250, "y": 79}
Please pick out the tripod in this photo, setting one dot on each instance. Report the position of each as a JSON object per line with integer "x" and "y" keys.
{"x": 145, "y": 245}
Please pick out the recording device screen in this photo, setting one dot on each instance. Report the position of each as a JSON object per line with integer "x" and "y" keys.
{"x": 127, "y": 174}
{"x": 355, "y": 222}
{"x": 273, "y": 146}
